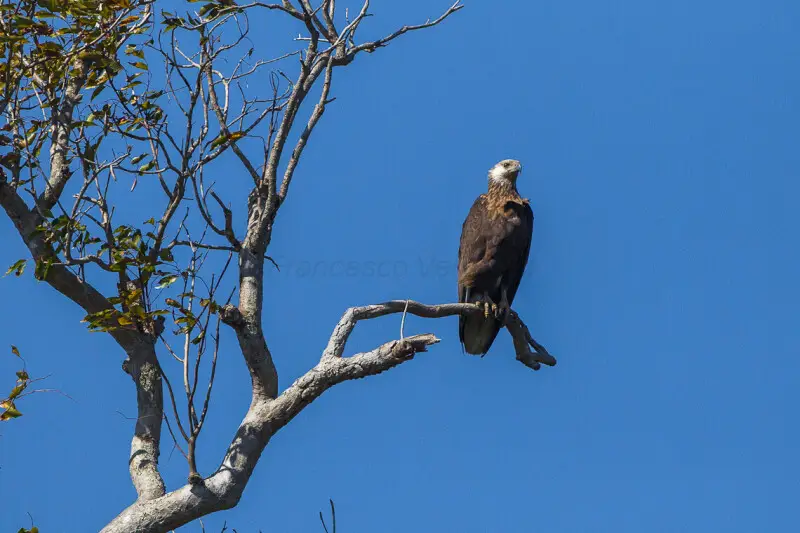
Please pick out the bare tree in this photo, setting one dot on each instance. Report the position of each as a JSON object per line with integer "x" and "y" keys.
{"x": 102, "y": 96}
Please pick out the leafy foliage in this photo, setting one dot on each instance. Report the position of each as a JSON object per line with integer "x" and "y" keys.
{"x": 89, "y": 57}
{"x": 17, "y": 268}
{"x": 83, "y": 110}
{"x": 47, "y": 42}
{"x": 8, "y": 404}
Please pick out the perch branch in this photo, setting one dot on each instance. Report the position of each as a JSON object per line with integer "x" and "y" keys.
{"x": 224, "y": 488}
{"x": 523, "y": 341}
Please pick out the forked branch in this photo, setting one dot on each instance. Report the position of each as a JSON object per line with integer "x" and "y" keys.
{"x": 265, "y": 417}
{"x": 333, "y": 368}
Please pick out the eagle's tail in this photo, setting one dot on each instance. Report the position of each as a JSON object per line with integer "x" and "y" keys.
{"x": 477, "y": 333}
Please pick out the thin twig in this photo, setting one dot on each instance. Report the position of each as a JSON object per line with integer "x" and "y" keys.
{"x": 403, "y": 322}
{"x": 333, "y": 518}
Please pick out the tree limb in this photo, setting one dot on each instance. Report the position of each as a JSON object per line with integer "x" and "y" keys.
{"x": 266, "y": 416}
{"x": 319, "y": 109}
{"x": 265, "y": 199}
{"x": 141, "y": 363}
{"x": 62, "y": 128}
{"x": 374, "y": 45}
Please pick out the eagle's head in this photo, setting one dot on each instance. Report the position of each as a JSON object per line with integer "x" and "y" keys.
{"x": 505, "y": 172}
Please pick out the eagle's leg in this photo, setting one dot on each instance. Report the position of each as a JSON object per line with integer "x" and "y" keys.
{"x": 502, "y": 309}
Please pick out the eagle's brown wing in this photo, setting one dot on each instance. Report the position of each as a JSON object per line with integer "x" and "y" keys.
{"x": 474, "y": 241}
{"x": 492, "y": 256}
{"x": 517, "y": 247}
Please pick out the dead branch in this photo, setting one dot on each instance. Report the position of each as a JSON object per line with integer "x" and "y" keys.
{"x": 266, "y": 416}
{"x": 523, "y": 341}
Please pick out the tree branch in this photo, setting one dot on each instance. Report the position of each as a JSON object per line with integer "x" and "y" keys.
{"x": 265, "y": 200}
{"x": 266, "y": 416}
{"x": 62, "y": 128}
{"x": 374, "y": 45}
{"x": 141, "y": 363}
{"x": 523, "y": 342}
{"x": 263, "y": 375}
{"x": 319, "y": 109}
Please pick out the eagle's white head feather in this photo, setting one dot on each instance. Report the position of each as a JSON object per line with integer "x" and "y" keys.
{"x": 505, "y": 172}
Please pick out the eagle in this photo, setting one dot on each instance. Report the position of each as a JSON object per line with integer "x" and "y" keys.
{"x": 492, "y": 255}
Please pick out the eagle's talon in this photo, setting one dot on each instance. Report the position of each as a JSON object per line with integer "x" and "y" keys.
{"x": 485, "y": 309}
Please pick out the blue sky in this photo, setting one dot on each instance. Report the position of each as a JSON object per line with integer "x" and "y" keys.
{"x": 660, "y": 144}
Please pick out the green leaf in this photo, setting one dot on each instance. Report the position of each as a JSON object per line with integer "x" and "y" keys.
{"x": 219, "y": 141}
{"x": 171, "y": 22}
{"x": 97, "y": 91}
{"x": 188, "y": 320}
{"x": 166, "y": 281}
{"x": 51, "y": 5}
{"x": 128, "y": 20}
{"x": 208, "y": 8}
{"x": 140, "y": 65}
{"x": 136, "y": 160}
{"x": 42, "y": 269}
{"x": 16, "y": 391}
{"x": 15, "y": 351}
{"x": 12, "y": 38}
{"x": 23, "y": 22}
{"x": 17, "y": 268}
{"x": 51, "y": 47}
{"x": 119, "y": 266}
{"x": 222, "y": 138}
{"x": 131, "y": 50}
{"x": 130, "y": 85}
{"x": 10, "y": 411}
